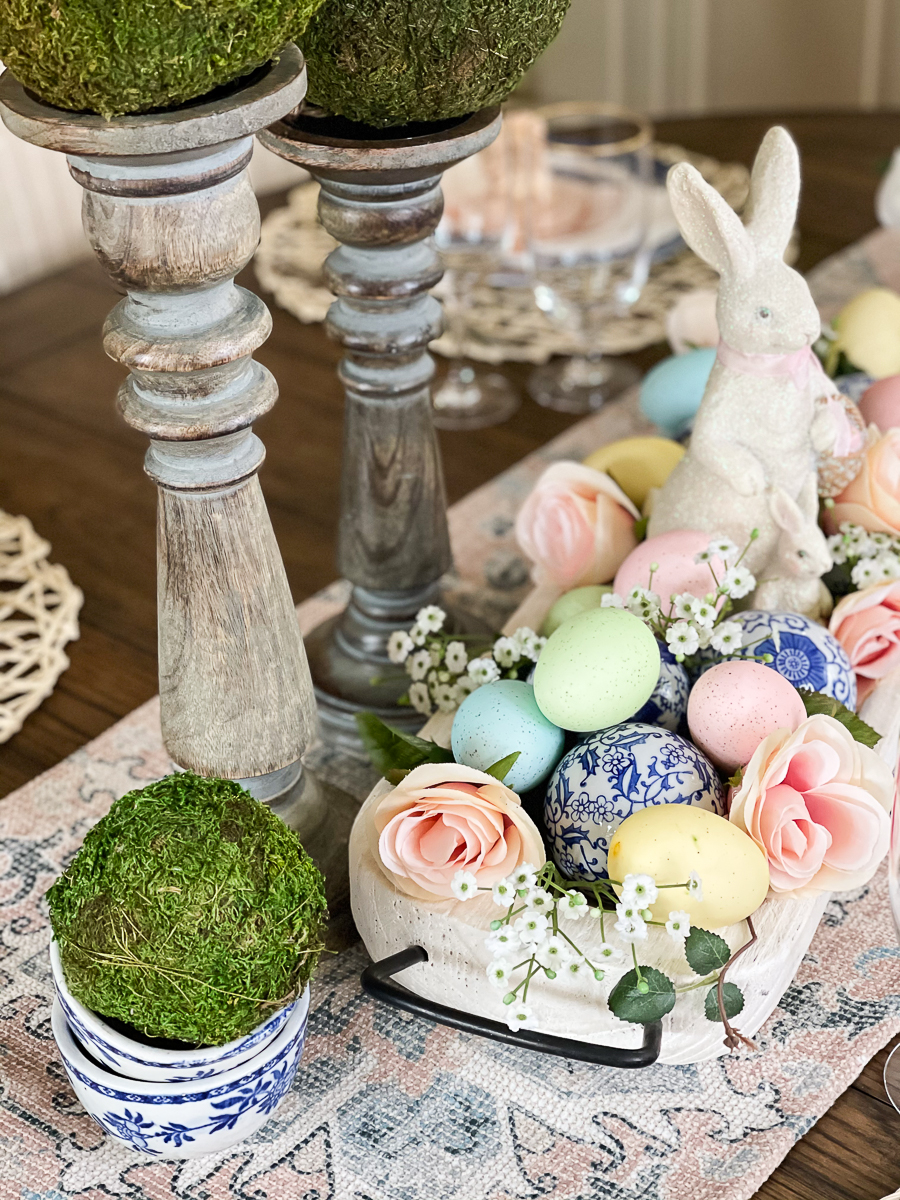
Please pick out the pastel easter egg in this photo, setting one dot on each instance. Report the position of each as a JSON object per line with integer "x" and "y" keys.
{"x": 672, "y": 390}
{"x": 734, "y": 705}
{"x": 868, "y": 332}
{"x": 804, "y": 652}
{"x": 578, "y": 600}
{"x": 880, "y": 403}
{"x": 596, "y": 670}
{"x": 500, "y": 719}
{"x": 612, "y": 774}
{"x": 668, "y": 701}
{"x": 673, "y": 553}
{"x": 637, "y": 464}
{"x": 671, "y": 841}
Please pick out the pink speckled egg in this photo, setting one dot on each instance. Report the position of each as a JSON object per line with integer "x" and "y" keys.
{"x": 674, "y": 553}
{"x": 880, "y": 403}
{"x": 734, "y": 705}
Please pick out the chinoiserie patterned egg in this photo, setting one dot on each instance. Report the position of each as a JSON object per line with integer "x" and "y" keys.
{"x": 667, "y": 705}
{"x": 804, "y": 652}
{"x": 612, "y": 774}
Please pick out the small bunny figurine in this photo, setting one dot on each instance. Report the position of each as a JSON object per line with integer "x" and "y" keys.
{"x": 758, "y": 427}
{"x": 801, "y": 557}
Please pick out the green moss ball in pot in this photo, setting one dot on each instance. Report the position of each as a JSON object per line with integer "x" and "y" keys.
{"x": 127, "y": 56}
{"x": 397, "y": 62}
{"x": 190, "y": 913}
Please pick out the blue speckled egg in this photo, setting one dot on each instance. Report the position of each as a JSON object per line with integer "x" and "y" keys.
{"x": 667, "y": 706}
{"x": 671, "y": 392}
{"x": 612, "y": 774}
{"x": 499, "y": 719}
{"x": 804, "y": 652}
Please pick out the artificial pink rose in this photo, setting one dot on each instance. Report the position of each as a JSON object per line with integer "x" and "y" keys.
{"x": 867, "y": 624}
{"x": 445, "y": 818}
{"x": 873, "y": 498}
{"x": 577, "y": 526}
{"x": 817, "y": 803}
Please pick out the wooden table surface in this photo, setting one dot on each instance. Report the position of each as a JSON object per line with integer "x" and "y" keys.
{"x": 74, "y": 468}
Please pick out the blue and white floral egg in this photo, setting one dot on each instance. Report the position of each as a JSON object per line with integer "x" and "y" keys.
{"x": 612, "y": 774}
{"x": 667, "y": 706}
{"x": 804, "y": 652}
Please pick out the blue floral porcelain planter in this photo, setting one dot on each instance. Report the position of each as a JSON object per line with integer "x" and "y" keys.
{"x": 612, "y": 774}
{"x": 186, "y": 1119}
{"x": 803, "y": 651}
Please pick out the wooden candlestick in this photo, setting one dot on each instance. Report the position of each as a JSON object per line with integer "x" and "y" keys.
{"x": 170, "y": 213}
{"x": 381, "y": 199}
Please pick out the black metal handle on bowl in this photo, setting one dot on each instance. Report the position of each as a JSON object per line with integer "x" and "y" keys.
{"x": 377, "y": 982}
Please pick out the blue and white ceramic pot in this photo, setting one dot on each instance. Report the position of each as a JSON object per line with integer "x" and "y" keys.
{"x": 804, "y": 652}
{"x": 667, "y": 706}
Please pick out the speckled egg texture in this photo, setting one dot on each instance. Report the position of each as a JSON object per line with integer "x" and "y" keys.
{"x": 676, "y": 571}
{"x": 502, "y": 718}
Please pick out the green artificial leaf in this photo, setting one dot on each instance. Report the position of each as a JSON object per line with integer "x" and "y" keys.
{"x": 818, "y": 703}
{"x": 733, "y": 998}
{"x": 706, "y": 952}
{"x": 737, "y": 778}
{"x": 501, "y": 769}
{"x": 394, "y": 753}
{"x": 629, "y": 1004}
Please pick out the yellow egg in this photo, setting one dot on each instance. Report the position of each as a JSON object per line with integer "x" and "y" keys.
{"x": 668, "y": 841}
{"x": 637, "y": 464}
{"x": 868, "y": 330}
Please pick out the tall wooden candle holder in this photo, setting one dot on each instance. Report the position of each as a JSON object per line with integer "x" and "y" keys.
{"x": 381, "y": 199}
{"x": 170, "y": 213}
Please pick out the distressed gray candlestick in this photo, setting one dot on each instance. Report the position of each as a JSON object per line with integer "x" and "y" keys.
{"x": 170, "y": 213}
{"x": 381, "y": 199}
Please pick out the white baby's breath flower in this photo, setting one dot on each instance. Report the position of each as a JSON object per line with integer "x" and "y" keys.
{"x": 465, "y": 685}
{"x": 503, "y": 893}
{"x": 682, "y": 638}
{"x": 498, "y": 973}
{"x": 727, "y": 638}
{"x": 607, "y": 954}
{"x": 400, "y": 646}
{"x": 881, "y": 540}
{"x": 573, "y": 905}
{"x": 678, "y": 925}
{"x": 554, "y": 953}
{"x": 632, "y": 929}
{"x": 506, "y": 651}
{"x": 445, "y": 697}
{"x": 738, "y": 582}
{"x": 704, "y": 614}
{"x": 887, "y": 566}
{"x": 503, "y": 941}
{"x": 640, "y": 890}
{"x": 456, "y": 657}
{"x": 431, "y": 618}
{"x": 418, "y": 634}
{"x": 540, "y": 900}
{"x": 483, "y": 670}
{"x": 628, "y": 910}
{"x": 695, "y": 886}
{"x": 864, "y": 573}
{"x": 576, "y": 966}
{"x": 524, "y": 877}
{"x": 464, "y": 885}
{"x": 519, "y": 1016}
{"x": 684, "y": 606}
{"x": 704, "y": 556}
{"x": 418, "y": 665}
{"x": 611, "y": 600}
{"x": 420, "y": 699}
{"x": 723, "y": 547}
{"x": 704, "y": 635}
{"x": 530, "y": 644}
{"x": 531, "y": 927}
{"x": 838, "y": 548}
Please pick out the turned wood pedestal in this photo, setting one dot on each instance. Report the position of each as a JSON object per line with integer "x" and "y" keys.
{"x": 381, "y": 199}
{"x": 170, "y": 213}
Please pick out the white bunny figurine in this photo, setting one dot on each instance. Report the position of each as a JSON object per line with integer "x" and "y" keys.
{"x": 801, "y": 557}
{"x": 758, "y": 426}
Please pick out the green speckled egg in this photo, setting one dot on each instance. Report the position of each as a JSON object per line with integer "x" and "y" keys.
{"x": 597, "y": 669}
{"x": 579, "y": 600}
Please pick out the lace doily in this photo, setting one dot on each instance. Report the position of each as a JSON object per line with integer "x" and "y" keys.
{"x": 39, "y": 608}
{"x": 504, "y": 323}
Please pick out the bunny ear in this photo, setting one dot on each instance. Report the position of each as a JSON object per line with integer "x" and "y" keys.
{"x": 710, "y": 227}
{"x": 786, "y": 512}
{"x": 774, "y": 193}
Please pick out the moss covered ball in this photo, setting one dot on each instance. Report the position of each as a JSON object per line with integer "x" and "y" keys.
{"x": 395, "y": 62}
{"x": 127, "y": 56}
{"x": 190, "y": 912}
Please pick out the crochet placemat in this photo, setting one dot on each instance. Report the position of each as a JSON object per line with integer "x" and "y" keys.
{"x": 388, "y": 1107}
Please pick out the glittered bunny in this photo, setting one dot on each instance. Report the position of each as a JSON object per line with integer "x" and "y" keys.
{"x": 758, "y": 427}
{"x": 792, "y": 581}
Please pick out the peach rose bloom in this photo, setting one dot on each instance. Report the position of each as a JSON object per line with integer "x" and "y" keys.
{"x": 577, "y": 526}
{"x": 818, "y": 805}
{"x": 445, "y": 818}
{"x": 873, "y": 498}
{"x": 867, "y": 624}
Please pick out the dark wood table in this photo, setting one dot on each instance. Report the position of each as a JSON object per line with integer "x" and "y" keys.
{"x": 74, "y": 468}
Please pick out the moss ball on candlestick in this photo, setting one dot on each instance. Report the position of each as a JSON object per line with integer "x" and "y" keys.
{"x": 126, "y": 56}
{"x": 395, "y": 62}
{"x": 191, "y": 912}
